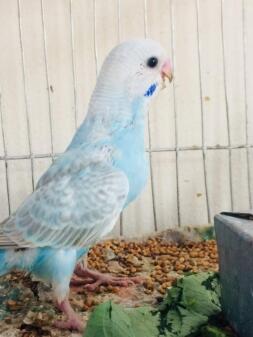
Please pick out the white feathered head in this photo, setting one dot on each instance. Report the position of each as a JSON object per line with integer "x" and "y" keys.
{"x": 136, "y": 67}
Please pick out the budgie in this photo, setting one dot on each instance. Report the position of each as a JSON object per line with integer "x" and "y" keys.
{"x": 78, "y": 200}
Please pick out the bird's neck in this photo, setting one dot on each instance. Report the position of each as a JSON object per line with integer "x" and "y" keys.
{"x": 111, "y": 114}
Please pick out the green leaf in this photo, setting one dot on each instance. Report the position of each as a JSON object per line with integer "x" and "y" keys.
{"x": 212, "y": 331}
{"x": 191, "y": 321}
{"x": 144, "y": 323}
{"x": 174, "y": 323}
{"x": 186, "y": 308}
{"x": 182, "y": 322}
{"x": 189, "y": 304}
{"x": 206, "y": 232}
{"x": 109, "y": 320}
{"x": 200, "y": 294}
{"x": 172, "y": 297}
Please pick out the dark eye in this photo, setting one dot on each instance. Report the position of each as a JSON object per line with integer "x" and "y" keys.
{"x": 152, "y": 62}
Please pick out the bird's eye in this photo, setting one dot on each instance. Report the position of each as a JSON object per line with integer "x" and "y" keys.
{"x": 152, "y": 62}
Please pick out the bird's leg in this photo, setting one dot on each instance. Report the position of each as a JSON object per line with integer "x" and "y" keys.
{"x": 73, "y": 322}
{"x": 93, "y": 279}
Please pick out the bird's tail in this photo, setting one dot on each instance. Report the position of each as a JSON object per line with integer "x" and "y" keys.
{"x": 4, "y": 267}
{"x": 19, "y": 259}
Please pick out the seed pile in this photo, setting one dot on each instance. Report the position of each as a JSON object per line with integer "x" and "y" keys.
{"x": 161, "y": 262}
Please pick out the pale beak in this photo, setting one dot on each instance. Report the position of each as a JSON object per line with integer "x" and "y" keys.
{"x": 166, "y": 71}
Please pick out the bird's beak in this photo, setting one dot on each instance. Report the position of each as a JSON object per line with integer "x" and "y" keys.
{"x": 166, "y": 71}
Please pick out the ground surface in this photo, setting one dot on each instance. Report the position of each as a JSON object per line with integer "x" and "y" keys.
{"x": 25, "y": 305}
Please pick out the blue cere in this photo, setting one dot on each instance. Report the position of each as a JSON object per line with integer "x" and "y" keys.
{"x": 151, "y": 90}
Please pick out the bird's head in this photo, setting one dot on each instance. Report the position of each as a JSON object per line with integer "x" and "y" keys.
{"x": 130, "y": 76}
{"x": 137, "y": 68}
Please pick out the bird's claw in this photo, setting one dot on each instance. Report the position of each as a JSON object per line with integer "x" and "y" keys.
{"x": 93, "y": 279}
{"x": 74, "y": 323}
{"x": 108, "y": 280}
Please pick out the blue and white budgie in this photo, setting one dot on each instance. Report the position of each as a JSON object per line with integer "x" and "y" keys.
{"x": 79, "y": 198}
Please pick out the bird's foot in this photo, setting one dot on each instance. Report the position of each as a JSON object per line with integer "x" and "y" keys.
{"x": 78, "y": 282}
{"x": 73, "y": 321}
{"x": 93, "y": 279}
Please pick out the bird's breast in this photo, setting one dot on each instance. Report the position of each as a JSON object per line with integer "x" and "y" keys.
{"x": 137, "y": 175}
{"x": 131, "y": 158}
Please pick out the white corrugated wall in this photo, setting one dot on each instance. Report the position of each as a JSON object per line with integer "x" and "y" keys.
{"x": 200, "y": 133}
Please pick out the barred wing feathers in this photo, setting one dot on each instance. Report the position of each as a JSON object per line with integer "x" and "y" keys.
{"x": 74, "y": 210}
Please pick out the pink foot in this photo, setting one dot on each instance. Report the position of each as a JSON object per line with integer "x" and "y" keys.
{"x": 73, "y": 322}
{"x": 93, "y": 279}
{"x": 113, "y": 281}
{"x": 80, "y": 282}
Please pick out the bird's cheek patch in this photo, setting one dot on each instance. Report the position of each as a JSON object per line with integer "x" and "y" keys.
{"x": 151, "y": 90}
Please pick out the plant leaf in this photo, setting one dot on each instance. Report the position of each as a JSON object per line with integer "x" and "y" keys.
{"x": 189, "y": 304}
{"x": 200, "y": 294}
{"x": 212, "y": 331}
{"x": 144, "y": 323}
{"x": 109, "y": 320}
{"x": 191, "y": 321}
{"x": 112, "y": 320}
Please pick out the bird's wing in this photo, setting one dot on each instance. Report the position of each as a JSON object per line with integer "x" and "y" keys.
{"x": 74, "y": 210}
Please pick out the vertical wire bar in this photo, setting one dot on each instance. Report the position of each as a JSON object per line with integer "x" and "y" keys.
{"x": 73, "y": 61}
{"x": 175, "y": 112}
{"x": 119, "y": 19}
{"x": 25, "y": 92}
{"x": 47, "y": 79}
{"x": 149, "y": 132}
{"x": 246, "y": 102}
{"x": 95, "y": 36}
{"x": 204, "y": 150}
{"x": 5, "y": 154}
{"x": 121, "y": 225}
{"x": 227, "y": 108}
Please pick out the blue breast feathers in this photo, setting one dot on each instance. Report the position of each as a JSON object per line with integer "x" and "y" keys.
{"x": 151, "y": 90}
